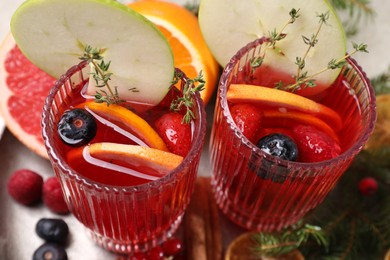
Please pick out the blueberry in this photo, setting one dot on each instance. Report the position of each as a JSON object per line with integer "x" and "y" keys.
{"x": 50, "y": 251}
{"x": 52, "y": 230}
{"x": 279, "y": 145}
{"x": 77, "y": 127}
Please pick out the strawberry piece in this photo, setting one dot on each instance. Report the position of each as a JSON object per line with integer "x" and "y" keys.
{"x": 53, "y": 197}
{"x": 248, "y": 119}
{"x": 25, "y": 186}
{"x": 315, "y": 145}
{"x": 176, "y": 135}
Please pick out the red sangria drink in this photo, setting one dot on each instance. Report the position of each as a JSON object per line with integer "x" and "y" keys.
{"x": 276, "y": 154}
{"x": 125, "y": 184}
{"x": 123, "y": 129}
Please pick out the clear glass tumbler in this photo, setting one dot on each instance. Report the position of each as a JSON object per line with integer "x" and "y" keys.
{"x": 122, "y": 219}
{"x": 260, "y": 192}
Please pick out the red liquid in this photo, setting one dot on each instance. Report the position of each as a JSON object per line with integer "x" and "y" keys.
{"x": 260, "y": 194}
{"x": 112, "y": 131}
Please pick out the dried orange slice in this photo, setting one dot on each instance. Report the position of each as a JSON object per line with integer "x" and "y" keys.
{"x": 243, "y": 248}
{"x": 280, "y": 99}
{"x": 130, "y": 121}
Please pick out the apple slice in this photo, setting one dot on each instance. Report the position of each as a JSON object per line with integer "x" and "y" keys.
{"x": 53, "y": 34}
{"x": 228, "y": 26}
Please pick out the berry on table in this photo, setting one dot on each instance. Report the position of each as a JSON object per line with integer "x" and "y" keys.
{"x": 52, "y": 230}
{"x": 53, "y": 197}
{"x": 279, "y": 145}
{"x": 156, "y": 253}
{"x": 368, "y": 186}
{"x": 50, "y": 251}
{"x": 25, "y": 186}
{"x": 172, "y": 247}
{"x": 76, "y": 127}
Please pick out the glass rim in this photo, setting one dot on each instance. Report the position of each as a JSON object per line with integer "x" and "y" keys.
{"x": 350, "y": 152}
{"x": 53, "y": 153}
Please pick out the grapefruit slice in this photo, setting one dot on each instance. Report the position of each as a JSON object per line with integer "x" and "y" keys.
{"x": 181, "y": 28}
{"x": 227, "y": 27}
{"x": 130, "y": 120}
{"x": 23, "y": 89}
{"x": 152, "y": 162}
{"x": 53, "y": 35}
{"x": 239, "y": 93}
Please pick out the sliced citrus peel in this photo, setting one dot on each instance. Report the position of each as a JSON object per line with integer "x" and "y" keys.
{"x": 150, "y": 163}
{"x": 300, "y": 118}
{"x": 130, "y": 120}
{"x": 280, "y": 99}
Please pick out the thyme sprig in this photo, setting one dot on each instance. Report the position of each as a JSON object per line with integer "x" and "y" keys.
{"x": 302, "y": 77}
{"x": 189, "y": 90}
{"x": 276, "y": 244}
{"x": 101, "y": 75}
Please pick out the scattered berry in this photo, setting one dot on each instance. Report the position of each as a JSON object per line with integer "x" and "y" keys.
{"x": 77, "y": 127}
{"x": 368, "y": 186}
{"x": 176, "y": 135}
{"x": 52, "y": 230}
{"x": 279, "y": 145}
{"x": 25, "y": 186}
{"x": 50, "y": 251}
{"x": 314, "y": 145}
{"x": 53, "y": 197}
{"x": 248, "y": 119}
{"x": 156, "y": 253}
{"x": 172, "y": 247}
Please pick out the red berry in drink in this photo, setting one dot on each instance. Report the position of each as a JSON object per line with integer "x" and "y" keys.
{"x": 248, "y": 119}
{"x": 176, "y": 134}
{"x": 172, "y": 247}
{"x": 53, "y": 197}
{"x": 368, "y": 186}
{"x": 25, "y": 186}
{"x": 314, "y": 145}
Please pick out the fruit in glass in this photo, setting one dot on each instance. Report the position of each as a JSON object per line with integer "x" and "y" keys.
{"x": 125, "y": 206}
{"x": 260, "y": 191}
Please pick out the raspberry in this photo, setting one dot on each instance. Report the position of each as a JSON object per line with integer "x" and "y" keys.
{"x": 53, "y": 197}
{"x": 25, "y": 186}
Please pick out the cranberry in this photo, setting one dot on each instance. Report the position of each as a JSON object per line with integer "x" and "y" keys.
{"x": 368, "y": 186}
{"x": 156, "y": 253}
{"x": 172, "y": 247}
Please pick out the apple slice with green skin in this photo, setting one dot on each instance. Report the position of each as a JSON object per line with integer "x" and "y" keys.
{"x": 229, "y": 25}
{"x": 53, "y": 34}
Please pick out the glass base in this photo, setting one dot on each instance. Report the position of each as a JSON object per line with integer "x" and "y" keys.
{"x": 129, "y": 247}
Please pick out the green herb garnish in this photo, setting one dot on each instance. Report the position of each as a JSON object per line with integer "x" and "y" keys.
{"x": 189, "y": 90}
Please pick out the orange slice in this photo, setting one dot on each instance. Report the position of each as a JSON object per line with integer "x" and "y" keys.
{"x": 238, "y": 93}
{"x": 181, "y": 28}
{"x": 130, "y": 121}
{"x": 302, "y": 118}
{"x": 160, "y": 161}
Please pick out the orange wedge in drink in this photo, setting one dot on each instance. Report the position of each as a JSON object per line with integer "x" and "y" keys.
{"x": 181, "y": 28}
{"x": 140, "y": 157}
{"x": 143, "y": 163}
{"x": 129, "y": 121}
{"x": 300, "y": 118}
{"x": 283, "y": 100}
